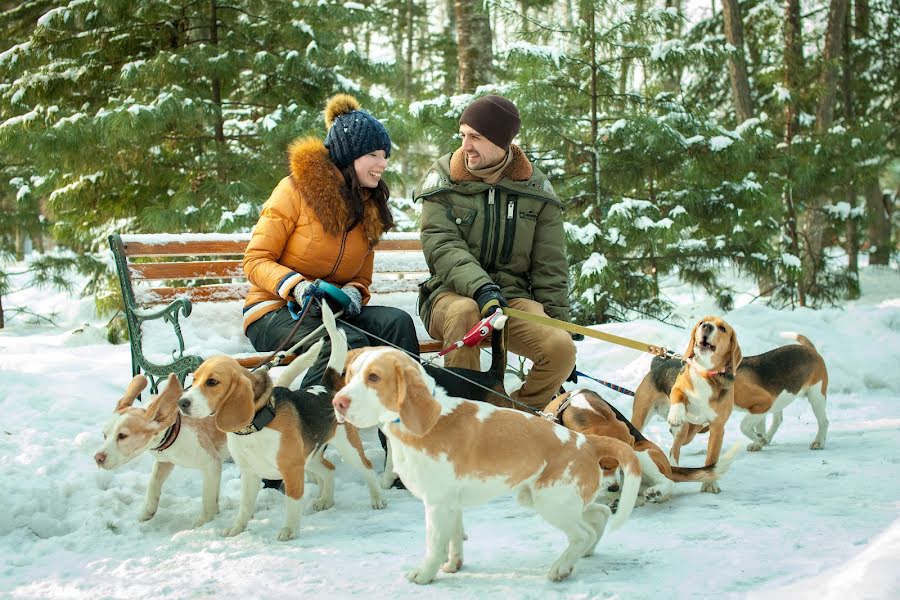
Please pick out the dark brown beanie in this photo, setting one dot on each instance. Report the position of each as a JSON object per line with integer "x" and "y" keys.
{"x": 494, "y": 117}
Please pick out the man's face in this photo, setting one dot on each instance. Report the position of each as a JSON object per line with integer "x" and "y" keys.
{"x": 480, "y": 152}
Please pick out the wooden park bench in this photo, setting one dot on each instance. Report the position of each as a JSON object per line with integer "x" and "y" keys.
{"x": 165, "y": 276}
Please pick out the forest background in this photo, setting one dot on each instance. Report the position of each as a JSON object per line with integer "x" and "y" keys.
{"x": 685, "y": 139}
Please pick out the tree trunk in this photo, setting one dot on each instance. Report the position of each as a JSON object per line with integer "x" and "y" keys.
{"x": 219, "y": 124}
{"x": 834, "y": 43}
{"x": 449, "y": 55}
{"x": 672, "y": 75}
{"x": 2, "y": 320}
{"x": 879, "y": 211}
{"x": 626, "y": 63}
{"x": 474, "y": 45}
{"x": 813, "y": 224}
{"x": 737, "y": 64}
{"x": 852, "y": 240}
{"x": 793, "y": 64}
{"x": 793, "y": 61}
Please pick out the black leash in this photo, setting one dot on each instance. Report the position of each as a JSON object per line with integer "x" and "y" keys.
{"x": 612, "y": 386}
{"x": 420, "y": 360}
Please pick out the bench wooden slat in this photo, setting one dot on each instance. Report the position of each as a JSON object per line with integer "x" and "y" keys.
{"x": 228, "y": 269}
{"x": 204, "y": 293}
{"x": 207, "y": 269}
{"x": 186, "y": 248}
{"x": 191, "y": 247}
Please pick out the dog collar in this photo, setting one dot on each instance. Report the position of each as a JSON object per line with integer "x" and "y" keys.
{"x": 171, "y": 434}
{"x": 262, "y": 417}
{"x": 702, "y": 372}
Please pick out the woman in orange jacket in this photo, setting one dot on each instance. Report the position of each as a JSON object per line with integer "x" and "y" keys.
{"x": 322, "y": 223}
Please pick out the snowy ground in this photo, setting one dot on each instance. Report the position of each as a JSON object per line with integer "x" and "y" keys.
{"x": 789, "y": 522}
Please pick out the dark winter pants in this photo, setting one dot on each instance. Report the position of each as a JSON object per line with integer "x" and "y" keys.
{"x": 392, "y": 324}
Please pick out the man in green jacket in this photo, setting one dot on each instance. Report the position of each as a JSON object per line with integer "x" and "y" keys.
{"x": 492, "y": 233}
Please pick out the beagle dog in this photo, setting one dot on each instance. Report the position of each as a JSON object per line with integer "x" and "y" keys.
{"x": 170, "y": 438}
{"x": 585, "y": 411}
{"x": 697, "y": 391}
{"x": 277, "y": 433}
{"x": 484, "y": 386}
{"x": 453, "y": 453}
{"x": 767, "y": 383}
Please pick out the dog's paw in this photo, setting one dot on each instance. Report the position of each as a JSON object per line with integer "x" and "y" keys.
{"x": 387, "y": 481}
{"x": 817, "y": 445}
{"x": 323, "y": 504}
{"x": 710, "y": 486}
{"x": 655, "y": 495}
{"x": 754, "y": 447}
{"x": 285, "y": 534}
{"x": 202, "y": 520}
{"x": 146, "y": 515}
{"x": 233, "y": 531}
{"x": 559, "y": 571}
{"x": 677, "y": 415}
{"x": 419, "y": 576}
{"x": 378, "y": 502}
{"x": 453, "y": 565}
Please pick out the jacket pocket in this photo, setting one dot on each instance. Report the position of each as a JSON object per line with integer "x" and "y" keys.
{"x": 461, "y": 215}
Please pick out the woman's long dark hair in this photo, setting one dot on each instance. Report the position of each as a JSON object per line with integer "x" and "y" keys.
{"x": 353, "y": 196}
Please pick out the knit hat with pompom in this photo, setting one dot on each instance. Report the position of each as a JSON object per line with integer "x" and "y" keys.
{"x": 352, "y": 132}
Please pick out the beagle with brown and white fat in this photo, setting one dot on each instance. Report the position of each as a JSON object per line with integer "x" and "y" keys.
{"x": 172, "y": 439}
{"x": 695, "y": 393}
{"x": 454, "y": 453}
{"x": 585, "y": 411}
{"x": 274, "y": 432}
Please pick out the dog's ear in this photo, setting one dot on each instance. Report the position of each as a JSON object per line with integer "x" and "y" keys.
{"x": 135, "y": 387}
{"x": 689, "y": 353}
{"x": 164, "y": 406}
{"x": 419, "y": 411}
{"x": 352, "y": 355}
{"x": 736, "y": 355}
{"x": 236, "y": 409}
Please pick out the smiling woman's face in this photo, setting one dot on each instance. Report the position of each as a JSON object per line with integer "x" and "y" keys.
{"x": 369, "y": 168}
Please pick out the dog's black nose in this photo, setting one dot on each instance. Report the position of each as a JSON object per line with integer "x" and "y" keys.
{"x": 707, "y": 327}
{"x": 185, "y": 405}
{"x": 613, "y": 488}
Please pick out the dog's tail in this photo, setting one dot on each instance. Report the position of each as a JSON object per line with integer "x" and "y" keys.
{"x": 299, "y": 364}
{"x": 631, "y": 471}
{"x": 331, "y": 378}
{"x": 710, "y": 473}
{"x": 797, "y": 337}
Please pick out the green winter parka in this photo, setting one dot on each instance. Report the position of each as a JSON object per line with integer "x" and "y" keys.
{"x": 510, "y": 233}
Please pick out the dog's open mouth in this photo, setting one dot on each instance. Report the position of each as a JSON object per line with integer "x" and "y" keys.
{"x": 704, "y": 345}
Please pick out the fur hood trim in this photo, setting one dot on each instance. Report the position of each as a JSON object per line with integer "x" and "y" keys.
{"x": 319, "y": 182}
{"x": 519, "y": 168}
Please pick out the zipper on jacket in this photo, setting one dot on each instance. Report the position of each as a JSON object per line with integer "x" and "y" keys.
{"x": 487, "y": 231}
{"x": 340, "y": 256}
{"x": 512, "y": 205}
{"x": 491, "y": 265}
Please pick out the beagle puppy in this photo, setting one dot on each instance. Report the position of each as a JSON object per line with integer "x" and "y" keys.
{"x": 172, "y": 439}
{"x": 453, "y": 453}
{"x": 585, "y": 411}
{"x": 276, "y": 433}
{"x": 698, "y": 391}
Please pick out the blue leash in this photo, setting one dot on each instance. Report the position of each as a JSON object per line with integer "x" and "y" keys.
{"x": 612, "y": 386}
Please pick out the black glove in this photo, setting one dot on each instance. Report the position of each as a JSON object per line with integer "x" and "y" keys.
{"x": 577, "y": 337}
{"x": 573, "y": 376}
{"x": 489, "y": 299}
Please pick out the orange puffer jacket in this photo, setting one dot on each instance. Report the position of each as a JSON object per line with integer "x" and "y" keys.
{"x": 301, "y": 234}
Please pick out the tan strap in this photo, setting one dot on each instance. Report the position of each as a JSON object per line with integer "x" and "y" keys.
{"x": 606, "y": 337}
